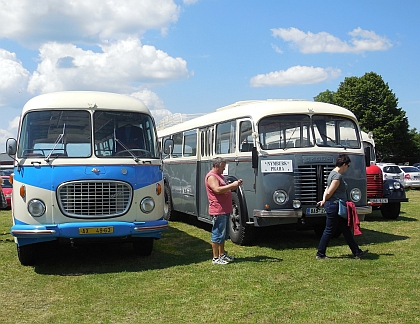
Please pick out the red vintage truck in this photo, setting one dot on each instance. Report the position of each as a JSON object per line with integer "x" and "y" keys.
{"x": 386, "y": 195}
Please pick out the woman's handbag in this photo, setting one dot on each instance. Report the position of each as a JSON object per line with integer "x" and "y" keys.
{"x": 342, "y": 208}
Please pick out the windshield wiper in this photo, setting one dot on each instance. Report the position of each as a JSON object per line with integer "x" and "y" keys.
{"x": 285, "y": 146}
{"x": 59, "y": 138}
{"x": 118, "y": 141}
{"x": 336, "y": 144}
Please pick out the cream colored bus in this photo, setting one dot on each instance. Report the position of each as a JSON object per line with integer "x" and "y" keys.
{"x": 87, "y": 168}
{"x": 282, "y": 149}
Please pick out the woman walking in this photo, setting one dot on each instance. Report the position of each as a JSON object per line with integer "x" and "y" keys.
{"x": 336, "y": 189}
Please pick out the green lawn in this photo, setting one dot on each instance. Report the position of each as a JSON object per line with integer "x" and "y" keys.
{"x": 278, "y": 280}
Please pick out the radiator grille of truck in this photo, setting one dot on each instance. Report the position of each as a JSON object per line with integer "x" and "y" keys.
{"x": 94, "y": 199}
{"x": 310, "y": 182}
{"x": 374, "y": 185}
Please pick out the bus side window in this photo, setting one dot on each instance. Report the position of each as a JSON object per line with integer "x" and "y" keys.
{"x": 226, "y": 138}
{"x": 245, "y": 136}
{"x": 190, "y": 143}
{"x": 177, "y": 152}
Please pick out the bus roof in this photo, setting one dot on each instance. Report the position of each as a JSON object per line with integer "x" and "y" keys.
{"x": 85, "y": 100}
{"x": 258, "y": 109}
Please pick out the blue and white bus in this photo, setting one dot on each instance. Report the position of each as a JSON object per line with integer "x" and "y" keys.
{"x": 282, "y": 149}
{"x": 87, "y": 167}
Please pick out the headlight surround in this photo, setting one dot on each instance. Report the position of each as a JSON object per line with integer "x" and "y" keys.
{"x": 280, "y": 197}
{"x": 355, "y": 194}
{"x": 397, "y": 185}
{"x": 147, "y": 205}
{"x": 36, "y": 207}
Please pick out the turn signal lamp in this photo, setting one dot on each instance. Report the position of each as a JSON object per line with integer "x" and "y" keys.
{"x": 22, "y": 191}
{"x": 158, "y": 189}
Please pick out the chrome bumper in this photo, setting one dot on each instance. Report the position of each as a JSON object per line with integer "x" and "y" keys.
{"x": 278, "y": 213}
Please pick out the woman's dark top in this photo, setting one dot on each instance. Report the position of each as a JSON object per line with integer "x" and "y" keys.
{"x": 340, "y": 192}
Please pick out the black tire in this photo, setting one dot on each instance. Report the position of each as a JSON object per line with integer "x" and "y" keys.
{"x": 240, "y": 232}
{"x": 143, "y": 246}
{"x": 167, "y": 207}
{"x": 391, "y": 211}
{"x": 27, "y": 254}
{"x": 169, "y": 213}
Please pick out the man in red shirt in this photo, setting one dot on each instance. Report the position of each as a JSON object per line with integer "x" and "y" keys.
{"x": 220, "y": 208}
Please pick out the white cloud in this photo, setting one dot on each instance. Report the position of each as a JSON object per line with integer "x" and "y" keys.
{"x": 13, "y": 78}
{"x": 188, "y": 2}
{"x": 119, "y": 67}
{"x": 277, "y": 49}
{"x": 153, "y": 102}
{"x": 14, "y": 124}
{"x": 37, "y": 22}
{"x": 361, "y": 41}
{"x": 295, "y": 75}
{"x": 4, "y": 135}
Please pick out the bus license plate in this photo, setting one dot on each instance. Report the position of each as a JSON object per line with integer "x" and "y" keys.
{"x": 96, "y": 230}
{"x": 315, "y": 211}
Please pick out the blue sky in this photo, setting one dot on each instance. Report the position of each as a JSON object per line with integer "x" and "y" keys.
{"x": 194, "y": 56}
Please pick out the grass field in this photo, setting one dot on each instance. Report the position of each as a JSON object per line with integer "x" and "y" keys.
{"x": 277, "y": 280}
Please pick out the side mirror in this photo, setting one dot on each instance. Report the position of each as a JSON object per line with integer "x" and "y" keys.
{"x": 254, "y": 158}
{"x": 367, "y": 156}
{"x": 168, "y": 146}
{"x": 11, "y": 146}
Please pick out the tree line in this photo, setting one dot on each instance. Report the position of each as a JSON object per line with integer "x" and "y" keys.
{"x": 376, "y": 108}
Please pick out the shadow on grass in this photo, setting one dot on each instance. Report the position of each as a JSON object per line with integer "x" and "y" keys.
{"x": 290, "y": 239}
{"x": 178, "y": 248}
{"x": 175, "y": 248}
{"x": 279, "y": 238}
{"x": 376, "y": 216}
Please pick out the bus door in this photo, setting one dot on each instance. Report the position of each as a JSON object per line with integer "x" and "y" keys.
{"x": 204, "y": 165}
{"x": 189, "y": 173}
{"x": 243, "y": 161}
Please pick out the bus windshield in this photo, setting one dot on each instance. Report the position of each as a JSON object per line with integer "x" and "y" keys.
{"x": 55, "y": 133}
{"x": 124, "y": 134}
{"x": 68, "y": 133}
{"x": 299, "y": 131}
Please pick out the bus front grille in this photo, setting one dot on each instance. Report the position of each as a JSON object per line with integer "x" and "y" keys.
{"x": 94, "y": 199}
{"x": 310, "y": 182}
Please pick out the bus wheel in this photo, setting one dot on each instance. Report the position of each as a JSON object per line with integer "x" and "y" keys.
{"x": 27, "y": 254}
{"x": 169, "y": 213}
{"x": 143, "y": 246}
{"x": 391, "y": 211}
{"x": 240, "y": 233}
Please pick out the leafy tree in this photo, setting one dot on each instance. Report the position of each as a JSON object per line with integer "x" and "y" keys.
{"x": 376, "y": 107}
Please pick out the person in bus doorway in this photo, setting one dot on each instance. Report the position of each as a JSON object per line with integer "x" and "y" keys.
{"x": 336, "y": 189}
{"x": 220, "y": 207}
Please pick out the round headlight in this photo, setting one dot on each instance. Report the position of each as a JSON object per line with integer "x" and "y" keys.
{"x": 280, "y": 197}
{"x": 297, "y": 203}
{"x": 397, "y": 185}
{"x": 147, "y": 205}
{"x": 36, "y": 207}
{"x": 355, "y": 194}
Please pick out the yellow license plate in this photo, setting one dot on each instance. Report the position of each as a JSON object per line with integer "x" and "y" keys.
{"x": 96, "y": 230}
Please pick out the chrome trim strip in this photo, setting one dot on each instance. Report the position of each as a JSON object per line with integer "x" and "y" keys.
{"x": 278, "y": 213}
{"x": 32, "y": 232}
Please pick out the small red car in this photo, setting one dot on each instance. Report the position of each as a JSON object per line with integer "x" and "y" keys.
{"x": 7, "y": 190}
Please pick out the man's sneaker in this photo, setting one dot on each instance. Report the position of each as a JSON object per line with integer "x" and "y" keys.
{"x": 360, "y": 253}
{"x": 321, "y": 257}
{"x": 226, "y": 257}
{"x": 219, "y": 261}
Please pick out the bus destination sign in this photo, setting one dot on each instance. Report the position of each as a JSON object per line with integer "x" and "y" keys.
{"x": 268, "y": 166}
